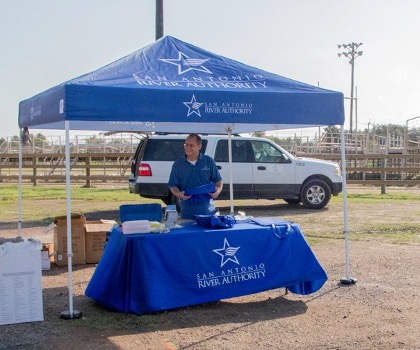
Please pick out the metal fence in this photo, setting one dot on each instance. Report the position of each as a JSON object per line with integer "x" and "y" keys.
{"x": 371, "y": 160}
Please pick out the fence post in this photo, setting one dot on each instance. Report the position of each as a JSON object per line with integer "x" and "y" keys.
{"x": 34, "y": 171}
{"x": 88, "y": 180}
{"x": 383, "y": 176}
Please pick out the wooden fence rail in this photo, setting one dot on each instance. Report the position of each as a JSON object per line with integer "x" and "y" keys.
{"x": 101, "y": 167}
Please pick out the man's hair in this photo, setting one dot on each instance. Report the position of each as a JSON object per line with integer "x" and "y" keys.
{"x": 197, "y": 138}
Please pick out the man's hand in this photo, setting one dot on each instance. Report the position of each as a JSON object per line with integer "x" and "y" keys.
{"x": 182, "y": 196}
{"x": 179, "y": 194}
{"x": 214, "y": 195}
{"x": 219, "y": 186}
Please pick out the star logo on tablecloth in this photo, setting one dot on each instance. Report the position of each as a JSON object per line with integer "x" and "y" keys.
{"x": 186, "y": 64}
{"x": 227, "y": 253}
{"x": 193, "y": 106}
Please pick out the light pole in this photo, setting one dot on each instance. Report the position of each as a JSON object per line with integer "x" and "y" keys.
{"x": 351, "y": 53}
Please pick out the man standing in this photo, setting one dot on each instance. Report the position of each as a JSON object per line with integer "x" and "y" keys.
{"x": 190, "y": 172}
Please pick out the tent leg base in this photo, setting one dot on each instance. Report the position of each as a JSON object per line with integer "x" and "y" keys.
{"x": 68, "y": 316}
{"x": 348, "y": 280}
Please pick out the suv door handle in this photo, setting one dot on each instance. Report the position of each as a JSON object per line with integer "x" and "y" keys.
{"x": 219, "y": 167}
{"x": 261, "y": 167}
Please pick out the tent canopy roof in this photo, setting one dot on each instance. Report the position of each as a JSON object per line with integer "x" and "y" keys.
{"x": 173, "y": 86}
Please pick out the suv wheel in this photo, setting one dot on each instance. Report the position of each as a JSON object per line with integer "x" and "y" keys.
{"x": 315, "y": 194}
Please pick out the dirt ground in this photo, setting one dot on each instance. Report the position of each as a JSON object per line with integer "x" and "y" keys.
{"x": 380, "y": 311}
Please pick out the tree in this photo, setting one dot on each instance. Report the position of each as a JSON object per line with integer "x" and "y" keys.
{"x": 39, "y": 140}
{"x": 386, "y": 129}
{"x": 94, "y": 140}
{"x": 259, "y": 134}
{"x": 332, "y": 134}
{"x": 332, "y": 129}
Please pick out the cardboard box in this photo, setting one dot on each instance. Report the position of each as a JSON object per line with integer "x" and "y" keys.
{"x": 76, "y": 219}
{"x": 78, "y": 240}
{"x": 88, "y": 239}
{"x": 95, "y": 239}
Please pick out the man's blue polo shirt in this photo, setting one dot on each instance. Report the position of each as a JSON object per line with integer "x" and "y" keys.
{"x": 185, "y": 175}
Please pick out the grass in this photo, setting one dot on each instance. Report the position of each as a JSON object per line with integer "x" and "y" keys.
{"x": 375, "y": 197}
{"x": 50, "y": 192}
{"x": 42, "y": 203}
{"x": 389, "y": 217}
{"x": 120, "y": 193}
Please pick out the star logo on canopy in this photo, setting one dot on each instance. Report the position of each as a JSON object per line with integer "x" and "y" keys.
{"x": 193, "y": 106}
{"x": 186, "y": 64}
{"x": 227, "y": 253}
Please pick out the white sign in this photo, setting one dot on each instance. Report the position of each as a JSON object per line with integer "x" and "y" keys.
{"x": 21, "y": 282}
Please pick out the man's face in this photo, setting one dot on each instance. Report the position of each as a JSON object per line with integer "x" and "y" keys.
{"x": 192, "y": 148}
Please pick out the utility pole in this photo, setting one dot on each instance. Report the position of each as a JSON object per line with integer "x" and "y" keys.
{"x": 351, "y": 54}
{"x": 159, "y": 19}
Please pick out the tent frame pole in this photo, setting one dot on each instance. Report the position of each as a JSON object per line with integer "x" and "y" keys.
{"x": 232, "y": 209}
{"x": 20, "y": 185}
{"x": 71, "y": 313}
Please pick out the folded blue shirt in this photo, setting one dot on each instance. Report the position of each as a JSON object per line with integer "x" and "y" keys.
{"x": 215, "y": 221}
{"x": 201, "y": 193}
{"x": 203, "y": 189}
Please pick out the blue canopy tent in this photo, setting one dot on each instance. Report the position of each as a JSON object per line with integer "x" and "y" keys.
{"x": 173, "y": 86}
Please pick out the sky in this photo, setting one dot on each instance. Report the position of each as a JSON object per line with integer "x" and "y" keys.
{"x": 45, "y": 43}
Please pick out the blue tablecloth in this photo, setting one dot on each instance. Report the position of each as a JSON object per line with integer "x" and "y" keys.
{"x": 144, "y": 273}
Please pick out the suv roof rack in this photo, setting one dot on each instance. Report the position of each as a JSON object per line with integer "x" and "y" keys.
{"x": 187, "y": 133}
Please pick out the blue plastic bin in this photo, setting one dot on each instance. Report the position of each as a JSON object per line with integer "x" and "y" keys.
{"x": 151, "y": 212}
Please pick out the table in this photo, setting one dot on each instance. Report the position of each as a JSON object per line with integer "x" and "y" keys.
{"x": 145, "y": 273}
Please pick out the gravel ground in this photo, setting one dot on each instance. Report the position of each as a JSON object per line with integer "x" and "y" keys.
{"x": 380, "y": 311}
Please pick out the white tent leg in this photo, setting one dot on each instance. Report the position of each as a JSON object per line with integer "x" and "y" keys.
{"x": 347, "y": 279}
{"x": 232, "y": 209}
{"x": 71, "y": 313}
{"x": 20, "y": 186}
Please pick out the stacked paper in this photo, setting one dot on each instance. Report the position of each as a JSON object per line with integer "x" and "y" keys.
{"x": 136, "y": 226}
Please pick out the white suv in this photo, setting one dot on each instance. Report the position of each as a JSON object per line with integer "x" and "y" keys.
{"x": 261, "y": 170}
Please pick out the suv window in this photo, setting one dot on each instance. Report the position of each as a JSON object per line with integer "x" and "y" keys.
{"x": 247, "y": 151}
{"x": 241, "y": 151}
{"x": 166, "y": 150}
{"x": 265, "y": 152}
